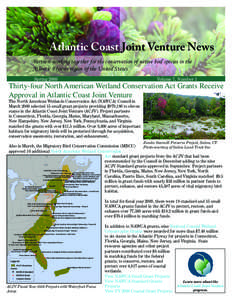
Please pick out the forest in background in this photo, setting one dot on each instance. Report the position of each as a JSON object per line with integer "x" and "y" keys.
{"x": 189, "y": 116}
{"x": 175, "y": 107}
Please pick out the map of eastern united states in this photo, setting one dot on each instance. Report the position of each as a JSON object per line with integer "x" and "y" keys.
{"x": 46, "y": 220}
{"x": 54, "y": 218}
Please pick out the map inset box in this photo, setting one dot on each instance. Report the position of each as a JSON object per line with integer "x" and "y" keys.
{"x": 54, "y": 219}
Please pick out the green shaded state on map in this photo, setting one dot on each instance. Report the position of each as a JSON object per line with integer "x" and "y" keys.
{"x": 46, "y": 220}
{"x": 61, "y": 272}
{"x": 56, "y": 185}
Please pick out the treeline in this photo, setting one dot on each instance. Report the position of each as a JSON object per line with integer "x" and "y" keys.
{"x": 170, "y": 106}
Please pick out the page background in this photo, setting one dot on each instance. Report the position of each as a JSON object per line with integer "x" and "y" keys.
{"x": 223, "y": 151}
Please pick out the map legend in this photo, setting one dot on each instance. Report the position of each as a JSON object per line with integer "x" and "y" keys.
{"x": 20, "y": 270}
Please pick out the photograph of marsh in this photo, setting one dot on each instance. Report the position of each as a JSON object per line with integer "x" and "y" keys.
{"x": 183, "y": 116}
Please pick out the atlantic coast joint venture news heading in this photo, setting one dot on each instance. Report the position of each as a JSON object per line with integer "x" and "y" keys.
{"x": 152, "y": 46}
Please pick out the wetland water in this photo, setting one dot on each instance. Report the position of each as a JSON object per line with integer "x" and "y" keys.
{"x": 207, "y": 125}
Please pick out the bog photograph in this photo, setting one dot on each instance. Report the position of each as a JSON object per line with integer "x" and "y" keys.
{"x": 179, "y": 116}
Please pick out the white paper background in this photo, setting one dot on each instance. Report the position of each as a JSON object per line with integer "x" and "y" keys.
{"x": 222, "y": 152}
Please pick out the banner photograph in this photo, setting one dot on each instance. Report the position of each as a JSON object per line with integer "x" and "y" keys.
{"x": 144, "y": 42}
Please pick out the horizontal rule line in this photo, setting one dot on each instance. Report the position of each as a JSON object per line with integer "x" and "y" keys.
{"x": 116, "y": 78}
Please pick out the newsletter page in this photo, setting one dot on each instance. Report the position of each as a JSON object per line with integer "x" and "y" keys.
{"x": 116, "y": 149}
